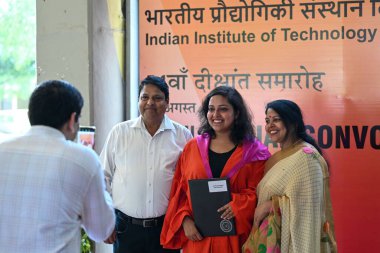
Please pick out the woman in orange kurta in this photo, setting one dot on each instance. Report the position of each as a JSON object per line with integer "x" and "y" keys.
{"x": 226, "y": 147}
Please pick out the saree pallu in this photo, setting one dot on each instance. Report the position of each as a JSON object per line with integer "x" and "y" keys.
{"x": 267, "y": 237}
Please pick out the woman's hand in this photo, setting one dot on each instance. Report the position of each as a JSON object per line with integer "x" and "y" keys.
{"x": 191, "y": 231}
{"x": 228, "y": 213}
{"x": 261, "y": 212}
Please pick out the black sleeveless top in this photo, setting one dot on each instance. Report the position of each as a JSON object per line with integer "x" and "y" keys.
{"x": 218, "y": 160}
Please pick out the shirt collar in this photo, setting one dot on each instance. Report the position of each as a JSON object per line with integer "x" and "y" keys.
{"x": 45, "y": 130}
{"x": 166, "y": 124}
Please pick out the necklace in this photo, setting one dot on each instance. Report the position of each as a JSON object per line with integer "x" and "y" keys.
{"x": 291, "y": 146}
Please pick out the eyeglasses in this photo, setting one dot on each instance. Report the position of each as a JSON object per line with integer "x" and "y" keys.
{"x": 155, "y": 98}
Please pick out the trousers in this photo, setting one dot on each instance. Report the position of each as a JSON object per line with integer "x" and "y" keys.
{"x": 138, "y": 235}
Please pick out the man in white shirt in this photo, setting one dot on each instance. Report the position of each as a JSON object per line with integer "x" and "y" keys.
{"x": 139, "y": 157}
{"x": 50, "y": 187}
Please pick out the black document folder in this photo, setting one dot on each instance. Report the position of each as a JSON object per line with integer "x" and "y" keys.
{"x": 207, "y": 196}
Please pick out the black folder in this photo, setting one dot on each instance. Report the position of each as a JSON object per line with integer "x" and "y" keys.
{"x": 207, "y": 196}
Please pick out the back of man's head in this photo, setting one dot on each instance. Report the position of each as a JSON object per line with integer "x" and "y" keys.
{"x": 52, "y": 103}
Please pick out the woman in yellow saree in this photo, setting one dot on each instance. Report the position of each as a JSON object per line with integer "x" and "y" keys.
{"x": 293, "y": 202}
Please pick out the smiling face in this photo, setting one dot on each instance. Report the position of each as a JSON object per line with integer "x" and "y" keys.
{"x": 275, "y": 127}
{"x": 220, "y": 114}
{"x": 152, "y": 104}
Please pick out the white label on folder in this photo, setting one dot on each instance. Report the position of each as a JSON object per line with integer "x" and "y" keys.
{"x": 217, "y": 186}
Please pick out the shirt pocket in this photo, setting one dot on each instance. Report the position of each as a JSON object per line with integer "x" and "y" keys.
{"x": 168, "y": 160}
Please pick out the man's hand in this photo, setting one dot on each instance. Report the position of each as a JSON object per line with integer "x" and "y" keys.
{"x": 112, "y": 238}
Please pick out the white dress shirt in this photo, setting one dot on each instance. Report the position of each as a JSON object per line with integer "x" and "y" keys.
{"x": 49, "y": 188}
{"x": 139, "y": 168}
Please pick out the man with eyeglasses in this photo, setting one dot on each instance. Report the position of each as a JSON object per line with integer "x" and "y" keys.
{"x": 139, "y": 157}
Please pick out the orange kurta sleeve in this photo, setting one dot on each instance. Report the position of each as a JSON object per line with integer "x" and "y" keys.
{"x": 244, "y": 198}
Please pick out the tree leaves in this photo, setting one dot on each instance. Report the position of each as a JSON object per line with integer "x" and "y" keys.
{"x": 17, "y": 48}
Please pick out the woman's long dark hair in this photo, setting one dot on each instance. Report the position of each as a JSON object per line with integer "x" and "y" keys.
{"x": 291, "y": 115}
{"x": 242, "y": 127}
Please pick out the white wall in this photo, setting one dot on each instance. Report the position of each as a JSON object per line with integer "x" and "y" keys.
{"x": 77, "y": 42}
{"x": 63, "y": 45}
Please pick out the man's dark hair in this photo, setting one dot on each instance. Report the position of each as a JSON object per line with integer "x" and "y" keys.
{"x": 53, "y": 102}
{"x": 158, "y": 82}
{"x": 242, "y": 127}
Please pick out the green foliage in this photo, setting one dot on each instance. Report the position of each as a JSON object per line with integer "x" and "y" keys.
{"x": 85, "y": 243}
{"x": 17, "y": 48}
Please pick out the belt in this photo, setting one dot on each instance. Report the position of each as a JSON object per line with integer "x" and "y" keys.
{"x": 146, "y": 223}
